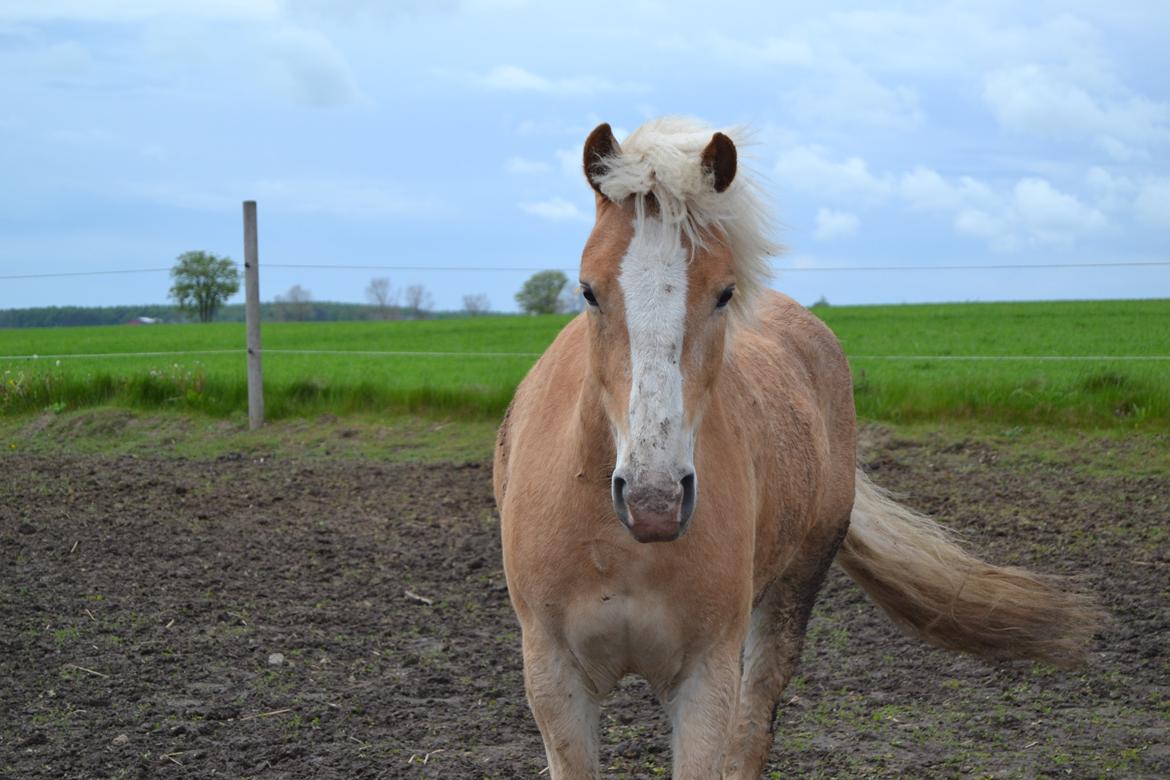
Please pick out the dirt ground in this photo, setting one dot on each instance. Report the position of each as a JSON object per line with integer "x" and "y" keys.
{"x": 276, "y": 615}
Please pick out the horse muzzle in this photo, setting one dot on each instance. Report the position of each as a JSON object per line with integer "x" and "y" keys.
{"x": 653, "y": 512}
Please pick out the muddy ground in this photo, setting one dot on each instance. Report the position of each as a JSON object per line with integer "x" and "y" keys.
{"x": 249, "y": 616}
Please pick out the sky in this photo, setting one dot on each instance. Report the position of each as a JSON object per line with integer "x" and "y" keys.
{"x": 448, "y": 133}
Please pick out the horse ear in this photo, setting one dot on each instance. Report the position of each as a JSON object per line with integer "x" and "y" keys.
{"x": 719, "y": 161}
{"x": 599, "y": 146}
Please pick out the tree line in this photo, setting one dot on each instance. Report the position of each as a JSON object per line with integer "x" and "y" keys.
{"x": 202, "y": 282}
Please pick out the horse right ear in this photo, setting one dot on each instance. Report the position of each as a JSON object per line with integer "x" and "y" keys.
{"x": 599, "y": 147}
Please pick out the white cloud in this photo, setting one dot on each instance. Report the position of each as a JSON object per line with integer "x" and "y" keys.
{"x": 1030, "y": 212}
{"x": 833, "y": 87}
{"x": 1152, "y": 204}
{"x": 835, "y": 224}
{"x": 1036, "y": 100}
{"x": 851, "y": 95}
{"x": 925, "y": 190}
{"x": 136, "y": 10}
{"x": 61, "y": 63}
{"x": 308, "y": 67}
{"x": 342, "y": 198}
{"x": 510, "y": 78}
{"x": 1051, "y": 216}
{"x": 556, "y": 210}
{"x": 1033, "y": 213}
{"x": 571, "y": 160}
{"x": 1110, "y": 190}
{"x": 993, "y": 230}
{"x": 523, "y": 166}
{"x": 808, "y": 169}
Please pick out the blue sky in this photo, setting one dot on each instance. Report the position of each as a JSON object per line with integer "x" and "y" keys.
{"x": 449, "y": 133}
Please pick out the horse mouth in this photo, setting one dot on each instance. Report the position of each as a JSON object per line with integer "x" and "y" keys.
{"x": 659, "y": 526}
{"x": 655, "y": 515}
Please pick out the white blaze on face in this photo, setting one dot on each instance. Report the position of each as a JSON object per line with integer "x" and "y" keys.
{"x": 653, "y": 280}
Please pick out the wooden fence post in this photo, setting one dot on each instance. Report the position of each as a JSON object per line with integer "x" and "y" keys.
{"x": 252, "y": 317}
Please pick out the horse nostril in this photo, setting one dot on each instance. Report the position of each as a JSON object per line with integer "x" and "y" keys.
{"x": 688, "y": 498}
{"x": 619, "y": 499}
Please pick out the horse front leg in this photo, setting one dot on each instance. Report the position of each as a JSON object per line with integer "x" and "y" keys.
{"x": 772, "y": 652}
{"x": 565, "y": 706}
{"x": 702, "y": 709}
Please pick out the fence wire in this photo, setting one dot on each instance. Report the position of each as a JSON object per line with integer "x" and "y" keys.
{"x": 534, "y": 269}
{"x": 457, "y": 354}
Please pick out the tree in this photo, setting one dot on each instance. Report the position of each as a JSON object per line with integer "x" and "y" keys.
{"x": 296, "y": 304}
{"x": 418, "y": 300}
{"x": 202, "y": 282}
{"x": 382, "y": 296}
{"x": 540, "y": 294}
{"x": 476, "y": 304}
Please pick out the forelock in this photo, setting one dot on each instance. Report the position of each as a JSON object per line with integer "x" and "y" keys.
{"x": 662, "y": 158}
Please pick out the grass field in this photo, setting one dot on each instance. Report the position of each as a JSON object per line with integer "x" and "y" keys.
{"x": 919, "y": 384}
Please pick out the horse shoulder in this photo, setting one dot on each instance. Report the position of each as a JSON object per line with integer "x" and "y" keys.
{"x": 793, "y": 383}
{"x": 542, "y": 396}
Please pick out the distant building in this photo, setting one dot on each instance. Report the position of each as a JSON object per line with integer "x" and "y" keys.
{"x": 143, "y": 321}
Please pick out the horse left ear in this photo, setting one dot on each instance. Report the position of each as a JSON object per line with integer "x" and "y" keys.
{"x": 719, "y": 161}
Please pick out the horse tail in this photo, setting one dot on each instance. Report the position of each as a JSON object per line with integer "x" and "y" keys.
{"x": 920, "y": 575}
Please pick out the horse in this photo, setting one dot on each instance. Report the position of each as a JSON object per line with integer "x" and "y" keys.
{"x": 677, "y": 472}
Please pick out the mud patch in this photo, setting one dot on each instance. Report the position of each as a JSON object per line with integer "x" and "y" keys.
{"x": 275, "y": 616}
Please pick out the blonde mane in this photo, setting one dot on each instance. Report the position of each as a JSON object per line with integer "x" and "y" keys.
{"x": 662, "y": 158}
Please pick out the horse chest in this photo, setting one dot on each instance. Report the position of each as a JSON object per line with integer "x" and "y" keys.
{"x": 613, "y": 633}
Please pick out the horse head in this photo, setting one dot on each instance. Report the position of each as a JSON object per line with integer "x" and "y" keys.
{"x": 659, "y": 275}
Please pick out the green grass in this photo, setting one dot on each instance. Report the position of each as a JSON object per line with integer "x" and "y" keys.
{"x": 295, "y": 384}
{"x": 1080, "y": 393}
{"x": 1096, "y": 393}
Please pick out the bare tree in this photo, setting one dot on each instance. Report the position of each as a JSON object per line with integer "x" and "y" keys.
{"x": 296, "y": 304}
{"x": 382, "y": 296}
{"x": 476, "y": 304}
{"x": 418, "y": 300}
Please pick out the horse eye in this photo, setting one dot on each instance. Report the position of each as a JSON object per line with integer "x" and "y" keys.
{"x": 587, "y": 293}
{"x": 725, "y": 297}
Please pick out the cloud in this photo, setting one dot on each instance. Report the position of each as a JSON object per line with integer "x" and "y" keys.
{"x": 1030, "y": 212}
{"x": 342, "y": 198}
{"x": 510, "y": 78}
{"x": 136, "y": 10}
{"x": 833, "y": 87}
{"x": 849, "y": 95}
{"x": 1051, "y": 216}
{"x": 1110, "y": 190}
{"x": 522, "y": 166}
{"x": 925, "y": 190}
{"x": 556, "y": 210}
{"x": 345, "y": 198}
{"x": 1152, "y": 204}
{"x": 308, "y": 67}
{"x": 570, "y": 160}
{"x": 364, "y": 12}
{"x": 980, "y": 224}
{"x": 1035, "y": 100}
{"x": 835, "y": 224}
{"x": 63, "y": 63}
{"x": 808, "y": 169}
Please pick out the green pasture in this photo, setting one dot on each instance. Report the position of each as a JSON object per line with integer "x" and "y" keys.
{"x": 1021, "y": 384}
{"x": 899, "y": 356}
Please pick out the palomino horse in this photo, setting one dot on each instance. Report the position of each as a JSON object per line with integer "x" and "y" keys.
{"x": 692, "y": 406}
